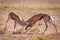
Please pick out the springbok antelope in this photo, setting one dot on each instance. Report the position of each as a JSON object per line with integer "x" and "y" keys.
{"x": 16, "y": 19}
{"x": 30, "y": 22}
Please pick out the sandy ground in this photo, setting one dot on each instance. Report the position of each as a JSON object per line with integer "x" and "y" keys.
{"x": 38, "y": 28}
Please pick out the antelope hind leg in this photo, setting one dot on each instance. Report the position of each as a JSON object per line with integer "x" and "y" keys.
{"x": 54, "y": 26}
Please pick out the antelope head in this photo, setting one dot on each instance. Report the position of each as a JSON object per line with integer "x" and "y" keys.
{"x": 28, "y": 24}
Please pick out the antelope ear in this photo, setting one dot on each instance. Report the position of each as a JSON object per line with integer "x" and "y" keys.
{"x": 21, "y": 19}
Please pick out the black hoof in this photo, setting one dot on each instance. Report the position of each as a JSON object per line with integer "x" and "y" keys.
{"x": 42, "y": 33}
{"x": 16, "y": 32}
{"x": 1, "y": 32}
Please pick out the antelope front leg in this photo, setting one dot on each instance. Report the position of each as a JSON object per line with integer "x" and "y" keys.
{"x": 6, "y": 24}
{"x": 21, "y": 30}
{"x": 27, "y": 30}
{"x": 14, "y": 27}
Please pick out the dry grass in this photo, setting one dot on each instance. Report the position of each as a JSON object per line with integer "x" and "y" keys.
{"x": 30, "y": 8}
{"x": 30, "y": 37}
